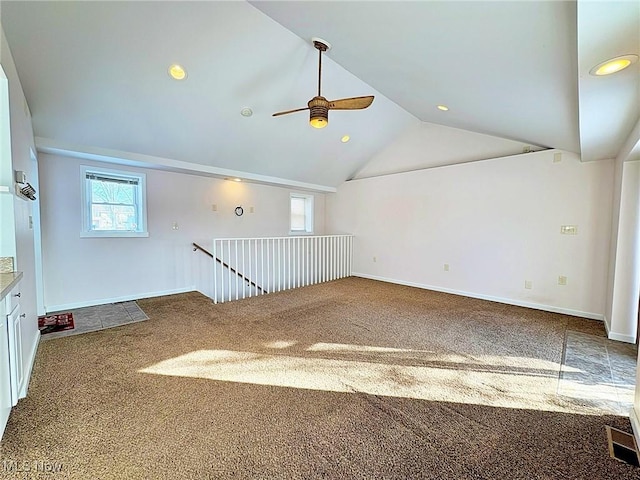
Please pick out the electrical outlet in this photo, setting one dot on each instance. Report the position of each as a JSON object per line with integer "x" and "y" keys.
{"x": 214, "y": 208}
{"x": 446, "y": 267}
{"x": 557, "y": 157}
{"x": 250, "y": 209}
{"x": 562, "y": 280}
{"x": 528, "y": 284}
{"x": 174, "y": 226}
{"x": 375, "y": 259}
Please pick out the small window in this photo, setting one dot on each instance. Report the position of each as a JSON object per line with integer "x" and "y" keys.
{"x": 113, "y": 203}
{"x": 301, "y": 213}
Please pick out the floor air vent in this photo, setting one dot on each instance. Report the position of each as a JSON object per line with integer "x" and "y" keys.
{"x": 622, "y": 446}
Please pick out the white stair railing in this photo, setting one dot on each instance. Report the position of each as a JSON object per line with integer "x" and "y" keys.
{"x": 248, "y": 267}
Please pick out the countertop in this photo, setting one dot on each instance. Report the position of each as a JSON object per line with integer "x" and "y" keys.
{"x": 8, "y": 281}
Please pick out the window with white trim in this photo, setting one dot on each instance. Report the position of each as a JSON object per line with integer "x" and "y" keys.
{"x": 301, "y": 213}
{"x": 113, "y": 203}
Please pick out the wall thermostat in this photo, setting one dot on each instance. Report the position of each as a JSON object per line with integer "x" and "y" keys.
{"x": 239, "y": 211}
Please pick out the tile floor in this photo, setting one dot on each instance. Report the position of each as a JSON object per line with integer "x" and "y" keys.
{"x": 599, "y": 372}
{"x": 90, "y": 319}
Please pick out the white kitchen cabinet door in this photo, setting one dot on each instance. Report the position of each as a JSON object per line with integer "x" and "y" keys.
{"x": 5, "y": 372}
{"x": 15, "y": 353}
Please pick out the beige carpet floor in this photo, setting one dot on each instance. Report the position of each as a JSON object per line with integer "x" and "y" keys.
{"x": 348, "y": 379}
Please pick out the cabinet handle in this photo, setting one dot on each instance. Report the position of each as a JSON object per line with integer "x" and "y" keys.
{"x": 24, "y": 315}
{"x": 18, "y": 294}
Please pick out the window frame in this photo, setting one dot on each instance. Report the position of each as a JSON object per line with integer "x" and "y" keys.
{"x": 308, "y": 214}
{"x": 85, "y": 196}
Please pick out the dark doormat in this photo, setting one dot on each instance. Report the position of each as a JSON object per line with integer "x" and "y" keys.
{"x": 55, "y": 323}
{"x": 622, "y": 446}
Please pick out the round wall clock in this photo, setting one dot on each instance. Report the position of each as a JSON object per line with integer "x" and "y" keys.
{"x": 239, "y": 211}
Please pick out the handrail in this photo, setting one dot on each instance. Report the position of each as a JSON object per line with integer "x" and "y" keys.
{"x": 198, "y": 247}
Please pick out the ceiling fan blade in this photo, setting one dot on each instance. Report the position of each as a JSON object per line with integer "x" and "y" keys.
{"x": 354, "y": 103}
{"x": 290, "y": 111}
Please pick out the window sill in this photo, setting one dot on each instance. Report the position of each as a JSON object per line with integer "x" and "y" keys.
{"x": 300, "y": 233}
{"x": 113, "y": 234}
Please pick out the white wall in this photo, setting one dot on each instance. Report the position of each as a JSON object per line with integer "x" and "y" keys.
{"x": 88, "y": 271}
{"x": 426, "y": 145}
{"x": 495, "y": 222}
{"x": 622, "y": 305}
{"x": 22, "y": 143}
{"x": 7, "y": 237}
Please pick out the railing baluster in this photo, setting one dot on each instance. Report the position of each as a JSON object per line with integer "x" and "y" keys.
{"x": 289, "y": 265}
{"x": 339, "y": 239}
{"x": 279, "y": 267}
{"x": 338, "y": 257}
{"x": 244, "y": 286}
{"x": 298, "y": 242}
{"x": 342, "y": 256}
{"x": 215, "y": 278}
{"x": 315, "y": 260}
{"x": 303, "y": 260}
{"x": 229, "y": 274}
{"x": 324, "y": 259}
{"x": 293, "y": 263}
{"x": 331, "y": 258}
{"x": 236, "y": 267}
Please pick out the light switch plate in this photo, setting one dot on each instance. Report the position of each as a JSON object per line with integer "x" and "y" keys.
{"x": 569, "y": 229}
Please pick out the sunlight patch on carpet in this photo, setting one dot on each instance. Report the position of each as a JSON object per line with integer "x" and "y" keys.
{"x": 343, "y": 347}
{"x": 279, "y": 344}
{"x": 469, "y": 383}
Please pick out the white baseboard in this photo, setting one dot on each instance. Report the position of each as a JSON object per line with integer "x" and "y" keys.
{"x": 607, "y": 324}
{"x": 635, "y": 425}
{"x": 620, "y": 337}
{"x": 4, "y": 418}
{"x": 32, "y": 358}
{"x": 508, "y": 301}
{"x": 127, "y": 298}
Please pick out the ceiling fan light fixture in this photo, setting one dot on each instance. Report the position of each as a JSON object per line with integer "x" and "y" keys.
{"x": 613, "y": 65}
{"x": 319, "y": 112}
{"x": 318, "y": 122}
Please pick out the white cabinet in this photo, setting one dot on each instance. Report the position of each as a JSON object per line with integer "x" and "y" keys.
{"x": 5, "y": 375}
{"x": 12, "y": 371}
{"x": 15, "y": 352}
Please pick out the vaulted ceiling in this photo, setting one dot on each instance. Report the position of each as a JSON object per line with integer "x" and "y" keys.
{"x": 513, "y": 74}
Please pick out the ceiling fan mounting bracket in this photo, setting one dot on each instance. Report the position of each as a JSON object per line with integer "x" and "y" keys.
{"x": 321, "y": 44}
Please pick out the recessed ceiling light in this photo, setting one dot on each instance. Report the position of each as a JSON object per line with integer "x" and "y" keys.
{"x": 613, "y": 65}
{"x": 246, "y": 112}
{"x": 177, "y": 71}
{"x": 345, "y": 139}
{"x": 237, "y": 179}
{"x": 444, "y": 108}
